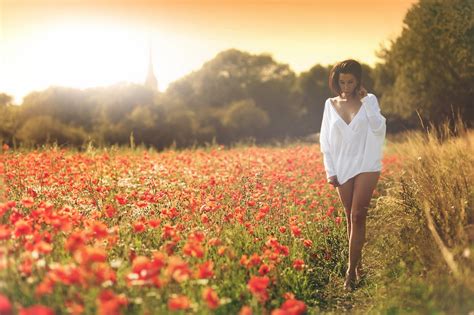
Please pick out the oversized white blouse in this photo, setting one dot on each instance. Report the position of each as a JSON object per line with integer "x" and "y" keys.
{"x": 350, "y": 149}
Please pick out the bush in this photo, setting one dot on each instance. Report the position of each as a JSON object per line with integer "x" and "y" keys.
{"x": 245, "y": 119}
{"x": 45, "y": 129}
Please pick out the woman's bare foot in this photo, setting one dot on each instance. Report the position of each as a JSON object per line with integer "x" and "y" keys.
{"x": 350, "y": 281}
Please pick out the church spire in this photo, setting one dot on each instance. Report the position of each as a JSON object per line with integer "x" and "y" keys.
{"x": 150, "y": 78}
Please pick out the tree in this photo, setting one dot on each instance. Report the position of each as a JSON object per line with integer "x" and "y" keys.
{"x": 8, "y": 118}
{"x": 46, "y": 129}
{"x": 181, "y": 126}
{"x": 66, "y": 105}
{"x": 244, "y": 119}
{"x": 5, "y": 99}
{"x": 234, "y": 75}
{"x": 429, "y": 67}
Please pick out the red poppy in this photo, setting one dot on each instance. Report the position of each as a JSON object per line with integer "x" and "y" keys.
{"x": 205, "y": 270}
{"x": 4, "y": 232}
{"x": 296, "y": 230}
{"x": 28, "y": 202}
{"x": 180, "y": 302}
{"x": 298, "y": 264}
{"x": 22, "y": 228}
{"x": 293, "y": 307}
{"x": 5, "y": 305}
{"x": 138, "y": 227}
{"x": 109, "y": 303}
{"x": 245, "y": 310}
{"x": 193, "y": 249}
{"x": 211, "y": 298}
{"x": 258, "y": 287}
{"x": 110, "y": 211}
{"x": 36, "y": 310}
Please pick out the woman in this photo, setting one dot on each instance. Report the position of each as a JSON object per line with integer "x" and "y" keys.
{"x": 351, "y": 139}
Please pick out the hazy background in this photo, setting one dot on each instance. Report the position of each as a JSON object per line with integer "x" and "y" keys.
{"x": 89, "y": 43}
{"x": 73, "y": 72}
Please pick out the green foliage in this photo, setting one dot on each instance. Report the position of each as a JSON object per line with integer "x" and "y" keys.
{"x": 429, "y": 67}
{"x": 9, "y": 122}
{"x": 45, "y": 129}
{"x": 244, "y": 119}
{"x": 229, "y": 77}
{"x": 117, "y": 101}
{"x": 66, "y": 105}
{"x": 181, "y": 125}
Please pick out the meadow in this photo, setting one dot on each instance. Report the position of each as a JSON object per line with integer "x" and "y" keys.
{"x": 242, "y": 230}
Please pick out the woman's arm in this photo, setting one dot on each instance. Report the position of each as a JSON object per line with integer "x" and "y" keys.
{"x": 325, "y": 144}
{"x": 376, "y": 120}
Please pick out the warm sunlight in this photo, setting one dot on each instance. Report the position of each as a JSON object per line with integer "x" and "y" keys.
{"x": 98, "y": 43}
{"x": 79, "y": 53}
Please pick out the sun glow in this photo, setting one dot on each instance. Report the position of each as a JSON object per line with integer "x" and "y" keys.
{"x": 86, "y": 53}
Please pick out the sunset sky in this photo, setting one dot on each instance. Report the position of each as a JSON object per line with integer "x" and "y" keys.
{"x": 91, "y": 43}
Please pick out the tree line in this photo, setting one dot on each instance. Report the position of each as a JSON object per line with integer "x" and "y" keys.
{"x": 427, "y": 72}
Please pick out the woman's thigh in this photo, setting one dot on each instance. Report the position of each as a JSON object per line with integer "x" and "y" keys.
{"x": 345, "y": 192}
{"x": 364, "y": 186}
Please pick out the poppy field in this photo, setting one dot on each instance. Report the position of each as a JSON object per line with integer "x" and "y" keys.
{"x": 248, "y": 230}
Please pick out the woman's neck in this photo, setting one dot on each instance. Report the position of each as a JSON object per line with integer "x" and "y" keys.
{"x": 348, "y": 98}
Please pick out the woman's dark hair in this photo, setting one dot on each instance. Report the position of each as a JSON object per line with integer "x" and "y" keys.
{"x": 347, "y": 66}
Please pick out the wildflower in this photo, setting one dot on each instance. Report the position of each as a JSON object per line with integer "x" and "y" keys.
{"x": 255, "y": 260}
{"x": 264, "y": 269}
{"x": 291, "y": 307}
{"x": 298, "y": 264}
{"x": 193, "y": 249}
{"x": 295, "y": 230}
{"x": 109, "y": 303}
{"x": 245, "y": 310}
{"x": 4, "y": 232}
{"x": 205, "y": 270}
{"x": 258, "y": 287}
{"x": 22, "y": 228}
{"x": 5, "y": 305}
{"x": 28, "y": 202}
{"x": 211, "y": 298}
{"x": 178, "y": 269}
{"x": 180, "y": 302}
{"x": 138, "y": 227}
{"x": 75, "y": 240}
{"x": 36, "y": 310}
{"x": 110, "y": 211}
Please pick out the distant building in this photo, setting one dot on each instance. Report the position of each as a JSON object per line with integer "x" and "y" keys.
{"x": 150, "y": 78}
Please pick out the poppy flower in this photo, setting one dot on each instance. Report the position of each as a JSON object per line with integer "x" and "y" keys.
{"x": 211, "y": 298}
{"x": 180, "y": 302}
{"x": 5, "y": 305}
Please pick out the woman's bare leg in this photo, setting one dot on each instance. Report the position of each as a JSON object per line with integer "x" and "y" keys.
{"x": 364, "y": 186}
{"x": 345, "y": 192}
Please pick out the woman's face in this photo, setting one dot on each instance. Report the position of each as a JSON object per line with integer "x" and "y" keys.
{"x": 347, "y": 83}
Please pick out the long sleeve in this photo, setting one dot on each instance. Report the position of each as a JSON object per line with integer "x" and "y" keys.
{"x": 376, "y": 120}
{"x": 325, "y": 144}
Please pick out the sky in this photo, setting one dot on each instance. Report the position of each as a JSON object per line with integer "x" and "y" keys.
{"x": 92, "y": 43}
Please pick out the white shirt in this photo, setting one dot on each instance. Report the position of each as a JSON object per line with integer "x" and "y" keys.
{"x": 350, "y": 149}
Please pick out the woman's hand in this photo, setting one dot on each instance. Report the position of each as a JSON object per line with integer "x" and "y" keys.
{"x": 333, "y": 181}
{"x": 362, "y": 92}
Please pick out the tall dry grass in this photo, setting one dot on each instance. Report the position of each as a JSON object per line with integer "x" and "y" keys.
{"x": 420, "y": 249}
